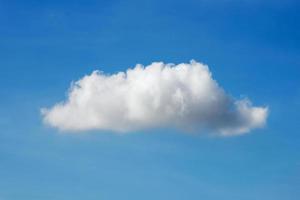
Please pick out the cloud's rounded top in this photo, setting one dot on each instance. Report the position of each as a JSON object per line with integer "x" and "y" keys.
{"x": 158, "y": 95}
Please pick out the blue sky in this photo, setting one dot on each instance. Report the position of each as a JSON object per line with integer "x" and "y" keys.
{"x": 251, "y": 47}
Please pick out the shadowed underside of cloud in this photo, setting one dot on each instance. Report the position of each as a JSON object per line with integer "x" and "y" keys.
{"x": 184, "y": 96}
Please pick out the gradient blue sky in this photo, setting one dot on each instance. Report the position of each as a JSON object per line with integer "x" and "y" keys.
{"x": 252, "y": 48}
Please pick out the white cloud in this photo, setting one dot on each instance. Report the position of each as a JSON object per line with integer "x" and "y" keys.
{"x": 158, "y": 95}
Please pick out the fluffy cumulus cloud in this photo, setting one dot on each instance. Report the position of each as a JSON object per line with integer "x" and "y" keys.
{"x": 184, "y": 96}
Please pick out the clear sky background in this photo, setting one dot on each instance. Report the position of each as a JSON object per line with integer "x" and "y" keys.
{"x": 252, "y": 48}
